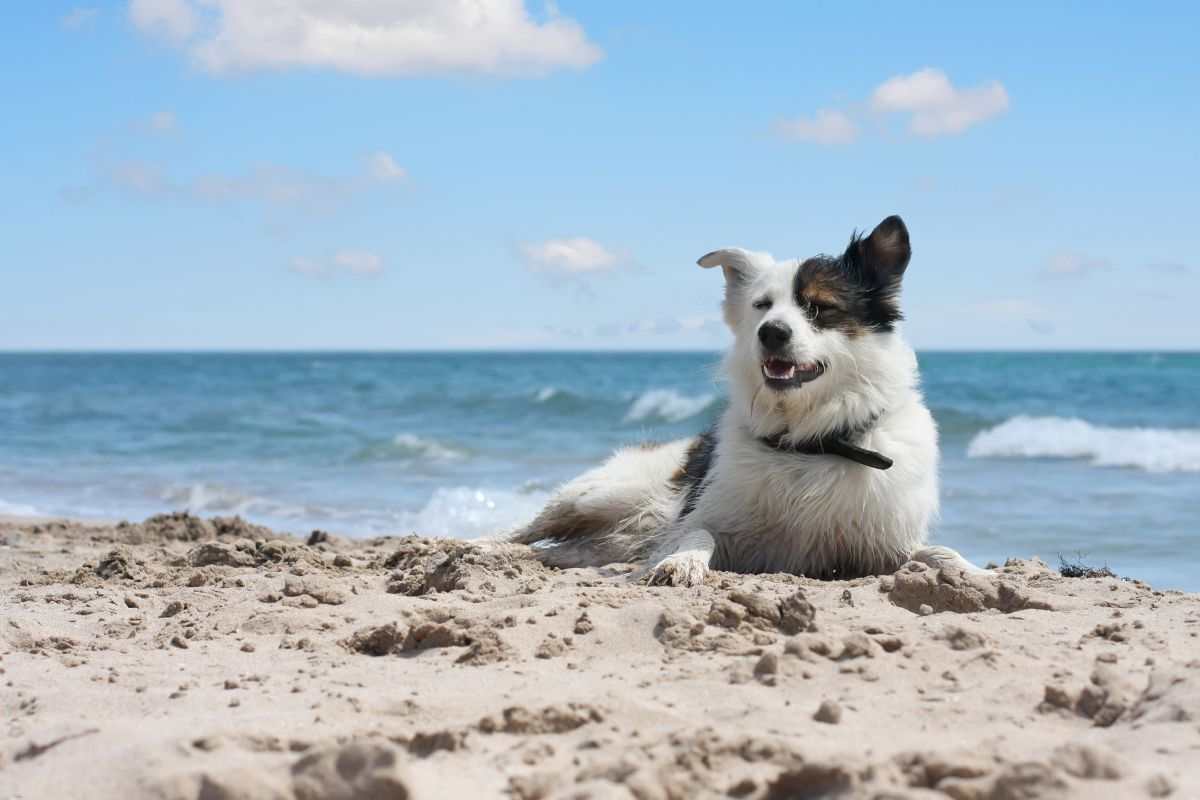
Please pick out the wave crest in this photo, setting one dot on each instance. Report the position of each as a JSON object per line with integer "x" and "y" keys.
{"x": 668, "y": 405}
{"x": 1149, "y": 449}
{"x": 409, "y": 447}
{"x": 409, "y": 444}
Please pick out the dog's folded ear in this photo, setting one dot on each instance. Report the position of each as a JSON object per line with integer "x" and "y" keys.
{"x": 883, "y": 256}
{"x": 734, "y": 261}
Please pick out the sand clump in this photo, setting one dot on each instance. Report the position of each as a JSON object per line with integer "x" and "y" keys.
{"x": 948, "y": 589}
{"x": 422, "y": 566}
{"x": 357, "y": 771}
{"x": 184, "y": 527}
{"x": 551, "y": 719}
{"x": 184, "y": 657}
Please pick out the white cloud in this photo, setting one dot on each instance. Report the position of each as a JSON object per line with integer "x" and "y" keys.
{"x": 827, "y": 126}
{"x": 577, "y": 256}
{"x": 936, "y": 106}
{"x": 79, "y": 17}
{"x": 383, "y": 167}
{"x": 369, "y": 37}
{"x": 359, "y": 263}
{"x": 1072, "y": 264}
{"x": 162, "y": 122}
{"x": 172, "y": 20}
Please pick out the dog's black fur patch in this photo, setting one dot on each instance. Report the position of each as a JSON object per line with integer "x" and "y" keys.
{"x": 690, "y": 477}
{"x": 858, "y": 292}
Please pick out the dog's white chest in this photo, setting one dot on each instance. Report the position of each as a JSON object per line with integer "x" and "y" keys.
{"x": 778, "y": 511}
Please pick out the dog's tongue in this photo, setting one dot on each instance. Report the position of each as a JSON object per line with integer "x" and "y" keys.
{"x": 779, "y": 369}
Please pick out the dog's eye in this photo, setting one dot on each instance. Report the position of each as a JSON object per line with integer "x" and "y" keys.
{"x": 816, "y": 309}
{"x": 763, "y": 304}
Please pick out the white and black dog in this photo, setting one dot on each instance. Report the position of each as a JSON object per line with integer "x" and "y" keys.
{"x": 825, "y": 463}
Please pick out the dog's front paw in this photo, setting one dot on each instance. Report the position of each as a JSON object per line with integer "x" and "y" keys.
{"x": 941, "y": 557}
{"x": 680, "y": 569}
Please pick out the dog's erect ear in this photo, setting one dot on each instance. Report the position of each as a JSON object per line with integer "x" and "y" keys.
{"x": 883, "y": 256}
{"x": 733, "y": 261}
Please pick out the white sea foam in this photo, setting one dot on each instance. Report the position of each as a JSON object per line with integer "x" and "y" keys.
{"x": 668, "y": 405}
{"x": 212, "y": 498}
{"x": 470, "y": 513}
{"x": 546, "y": 394}
{"x": 1149, "y": 449}
{"x": 411, "y": 445}
{"x": 17, "y": 510}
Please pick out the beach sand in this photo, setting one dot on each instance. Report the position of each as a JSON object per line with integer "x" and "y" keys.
{"x": 191, "y": 658}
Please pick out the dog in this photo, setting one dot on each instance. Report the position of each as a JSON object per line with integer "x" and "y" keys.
{"x": 825, "y": 462}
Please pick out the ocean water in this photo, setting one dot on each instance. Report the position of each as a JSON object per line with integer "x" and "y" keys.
{"x": 1043, "y": 454}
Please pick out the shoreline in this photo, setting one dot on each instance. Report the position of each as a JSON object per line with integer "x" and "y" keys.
{"x": 180, "y": 656}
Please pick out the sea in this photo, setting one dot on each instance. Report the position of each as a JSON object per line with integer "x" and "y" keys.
{"x": 1091, "y": 457}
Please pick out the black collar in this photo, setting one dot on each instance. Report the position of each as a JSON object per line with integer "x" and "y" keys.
{"x": 838, "y": 443}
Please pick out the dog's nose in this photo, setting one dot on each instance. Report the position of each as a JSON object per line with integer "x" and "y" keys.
{"x": 774, "y": 335}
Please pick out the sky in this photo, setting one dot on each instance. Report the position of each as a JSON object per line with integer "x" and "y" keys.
{"x": 479, "y": 174}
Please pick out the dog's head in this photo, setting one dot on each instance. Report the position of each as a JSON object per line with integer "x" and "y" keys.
{"x": 813, "y": 346}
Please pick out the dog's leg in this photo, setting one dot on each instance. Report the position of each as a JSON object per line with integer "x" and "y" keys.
{"x": 938, "y": 556}
{"x": 688, "y": 565}
{"x": 631, "y": 493}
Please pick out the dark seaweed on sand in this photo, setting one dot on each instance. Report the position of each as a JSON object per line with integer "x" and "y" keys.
{"x": 1079, "y": 569}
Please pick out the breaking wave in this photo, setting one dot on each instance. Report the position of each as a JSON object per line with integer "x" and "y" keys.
{"x": 1148, "y": 449}
{"x": 667, "y": 405}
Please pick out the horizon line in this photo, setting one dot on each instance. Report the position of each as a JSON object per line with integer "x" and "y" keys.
{"x": 541, "y": 351}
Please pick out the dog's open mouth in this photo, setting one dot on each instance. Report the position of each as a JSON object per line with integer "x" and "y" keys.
{"x": 782, "y": 372}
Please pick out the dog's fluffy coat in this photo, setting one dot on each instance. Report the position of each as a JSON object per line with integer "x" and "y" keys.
{"x": 816, "y": 352}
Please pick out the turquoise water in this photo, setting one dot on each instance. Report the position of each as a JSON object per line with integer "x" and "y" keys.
{"x": 1043, "y": 454}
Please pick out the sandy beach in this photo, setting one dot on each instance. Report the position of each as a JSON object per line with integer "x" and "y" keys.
{"x": 191, "y": 658}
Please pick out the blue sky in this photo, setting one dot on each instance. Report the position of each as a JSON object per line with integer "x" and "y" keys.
{"x": 370, "y": 174}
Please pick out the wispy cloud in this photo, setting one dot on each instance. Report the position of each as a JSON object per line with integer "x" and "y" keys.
{"x": 172, "y": 20}
{"x": 269, "y": 187}
{"x": 827, "y": 126}
{"x": 357, "y": 263}
{"x": 936, "y": 106}
{"x": 383, "y": 167}
{"x": 369, "y": 37}
{"x": 687, "y": 331}
{"x": 79, "y": 17}
{"x": 574, "y": 256}
{"x": 663, "y": 326}
{"x": 1071, "y": 264}
{"x": 162, "y": 122}
{"x": 138, "y": 177}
